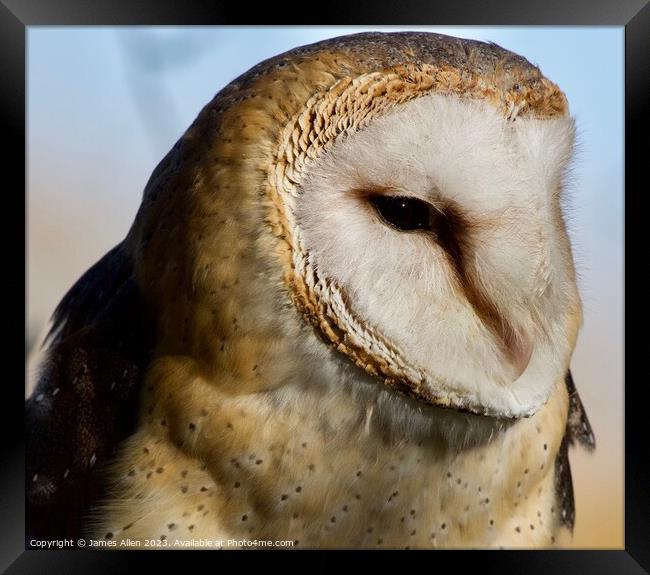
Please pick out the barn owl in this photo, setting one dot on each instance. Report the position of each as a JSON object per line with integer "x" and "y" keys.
{"x": 343, "y": 318}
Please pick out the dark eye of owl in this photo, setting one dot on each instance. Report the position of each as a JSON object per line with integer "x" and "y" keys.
{"x": 404, "y": 213}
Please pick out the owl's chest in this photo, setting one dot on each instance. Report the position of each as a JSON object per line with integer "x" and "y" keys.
{"x": 354, "y": 490}
{"x": 243, "y": 471}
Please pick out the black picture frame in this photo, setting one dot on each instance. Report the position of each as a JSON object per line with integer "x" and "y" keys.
{"x": 17, "y": 15}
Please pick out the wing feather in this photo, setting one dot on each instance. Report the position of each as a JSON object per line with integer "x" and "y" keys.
{"x": 578, "y": 429}
{"x": 86, "y": 398}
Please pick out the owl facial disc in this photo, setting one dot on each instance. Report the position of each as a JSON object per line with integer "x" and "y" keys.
{"x": 427, "y": 241}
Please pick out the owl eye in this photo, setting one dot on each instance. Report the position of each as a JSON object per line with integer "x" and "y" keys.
{"x": 404, "y": 213}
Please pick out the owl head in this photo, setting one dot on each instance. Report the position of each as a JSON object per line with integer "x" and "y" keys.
{"x": 397, "y": 195}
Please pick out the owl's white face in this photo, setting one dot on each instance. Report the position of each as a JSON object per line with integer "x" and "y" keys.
{"x": 468, "y": 274}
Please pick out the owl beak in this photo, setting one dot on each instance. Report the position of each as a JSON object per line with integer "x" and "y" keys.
{"x": 518, "y": 351}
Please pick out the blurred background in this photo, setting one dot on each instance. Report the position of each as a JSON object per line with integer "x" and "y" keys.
{"x": 106, "y": 104}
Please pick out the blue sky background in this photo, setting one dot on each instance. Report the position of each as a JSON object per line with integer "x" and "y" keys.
{"x": 106, "y": 104}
